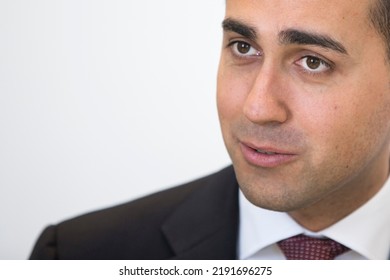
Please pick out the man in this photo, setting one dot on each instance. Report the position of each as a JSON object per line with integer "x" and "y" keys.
{"x": 304, "y": 106}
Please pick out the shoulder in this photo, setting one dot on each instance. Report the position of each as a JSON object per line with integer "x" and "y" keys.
{"x": 131, "y": 228}
{"x": 153, "y": 207}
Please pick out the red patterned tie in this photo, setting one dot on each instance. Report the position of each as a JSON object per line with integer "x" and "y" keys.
{"x": 302, "y": 247}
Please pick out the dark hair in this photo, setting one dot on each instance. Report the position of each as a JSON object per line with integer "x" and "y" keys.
{"x": 380, "y": 18}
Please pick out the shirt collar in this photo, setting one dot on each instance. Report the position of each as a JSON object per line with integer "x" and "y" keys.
{"x": 365, "y": 231}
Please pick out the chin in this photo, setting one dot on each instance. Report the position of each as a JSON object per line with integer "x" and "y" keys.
{"x": 275, "y": 197}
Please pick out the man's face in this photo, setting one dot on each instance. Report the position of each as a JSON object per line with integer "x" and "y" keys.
{"x": 304, "y": 101}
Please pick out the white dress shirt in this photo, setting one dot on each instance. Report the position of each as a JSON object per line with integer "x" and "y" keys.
{"x": 366, "y": 231}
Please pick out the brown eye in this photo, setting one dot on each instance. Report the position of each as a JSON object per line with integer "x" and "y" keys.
{"x": 313, "y": 62}
{"x": 243, "y": 48}
{"x": 314, "y": 65}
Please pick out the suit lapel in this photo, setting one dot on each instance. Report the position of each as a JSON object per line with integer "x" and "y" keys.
{"x": 205, "y": 226}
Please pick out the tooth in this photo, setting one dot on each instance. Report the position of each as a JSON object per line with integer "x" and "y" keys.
{"x": 266, "y": 153}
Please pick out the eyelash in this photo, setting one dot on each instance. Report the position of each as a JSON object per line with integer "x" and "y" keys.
{"x": 329, "y": 66}
{"x": 233, "y": 49}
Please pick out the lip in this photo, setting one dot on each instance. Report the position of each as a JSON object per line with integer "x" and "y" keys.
{"x": 275, "y": 159}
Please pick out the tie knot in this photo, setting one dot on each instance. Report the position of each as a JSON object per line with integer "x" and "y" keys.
{"x": 302, "y": 247}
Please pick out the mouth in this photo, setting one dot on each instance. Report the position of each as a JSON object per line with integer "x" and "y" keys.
{"x": 266, "y": 157}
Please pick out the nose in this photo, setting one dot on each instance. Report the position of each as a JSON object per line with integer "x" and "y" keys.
{"x": 266, "y": 100}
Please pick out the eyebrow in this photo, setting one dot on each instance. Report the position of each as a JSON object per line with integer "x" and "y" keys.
{"x": 239, "y": 28}
{"x": 293, "y": 36}
{"x": 286, "y": 37}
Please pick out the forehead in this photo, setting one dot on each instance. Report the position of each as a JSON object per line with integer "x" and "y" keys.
{"x": 343, "y": 19}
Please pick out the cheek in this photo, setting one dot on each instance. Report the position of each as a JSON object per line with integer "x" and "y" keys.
{"x": 231, "y": 94}
{"x": 348, "y": 128}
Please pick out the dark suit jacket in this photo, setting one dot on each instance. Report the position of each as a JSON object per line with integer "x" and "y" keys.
{"x": 198, "y": 220}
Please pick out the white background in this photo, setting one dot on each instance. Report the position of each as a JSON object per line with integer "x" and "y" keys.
{"x": 102, "y": 101}
{"x": 231, "y": 269}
